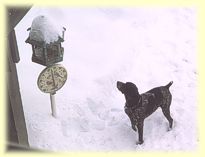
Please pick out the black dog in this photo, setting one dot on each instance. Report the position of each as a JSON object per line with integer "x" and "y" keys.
{"x": 138, "y": 107}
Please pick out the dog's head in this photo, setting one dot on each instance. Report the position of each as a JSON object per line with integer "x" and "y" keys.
{"x": 128, "y": 88}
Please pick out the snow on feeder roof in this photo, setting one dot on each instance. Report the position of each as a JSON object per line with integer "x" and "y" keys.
{"x": 45, "y": 37}
{"x": 43, "y": 29}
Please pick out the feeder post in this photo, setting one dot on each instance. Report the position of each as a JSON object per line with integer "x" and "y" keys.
{"x": 53, "y": 105}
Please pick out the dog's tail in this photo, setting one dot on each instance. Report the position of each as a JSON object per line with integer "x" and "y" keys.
{"x": 169, "y": 84}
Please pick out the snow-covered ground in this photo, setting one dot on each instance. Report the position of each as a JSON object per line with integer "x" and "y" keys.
{"x": 147, "y": 46}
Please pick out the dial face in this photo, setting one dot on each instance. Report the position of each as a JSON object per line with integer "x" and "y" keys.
{"x": 52, "y": 78}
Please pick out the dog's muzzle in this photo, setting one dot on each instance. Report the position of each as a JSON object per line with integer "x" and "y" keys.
{"x": 119, "y": 85}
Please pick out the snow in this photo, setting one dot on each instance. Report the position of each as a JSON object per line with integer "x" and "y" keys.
{"x": 147, "y": 46}
{"x": 45, "y": 29}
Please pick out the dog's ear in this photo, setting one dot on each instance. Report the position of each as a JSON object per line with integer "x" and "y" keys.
{"x": 131, "y": 89}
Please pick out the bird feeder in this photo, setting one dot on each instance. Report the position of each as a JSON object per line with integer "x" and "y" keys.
{"x": 45, "y": 51}
{"x": 46, "y": 38}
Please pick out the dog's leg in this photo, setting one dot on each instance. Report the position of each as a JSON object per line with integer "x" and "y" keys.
{"x": 133, "y": 122}
{"x": 166, "y": 112}
{"x": 140, "y": 125}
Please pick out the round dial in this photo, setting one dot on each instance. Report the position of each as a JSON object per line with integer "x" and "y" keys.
{"x": 52, "y": 78}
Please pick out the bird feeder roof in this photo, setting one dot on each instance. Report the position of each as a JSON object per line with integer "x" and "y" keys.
{"x": 44, "y": 30}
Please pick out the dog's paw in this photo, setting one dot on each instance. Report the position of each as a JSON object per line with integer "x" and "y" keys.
{"x": 139, "y": 142}
{"x": 170, "y": 127}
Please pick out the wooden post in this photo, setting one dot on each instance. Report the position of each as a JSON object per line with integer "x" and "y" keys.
{"x": 53, "y": 105}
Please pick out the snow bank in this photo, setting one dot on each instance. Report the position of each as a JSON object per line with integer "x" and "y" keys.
{"x": 45, "y": 29}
